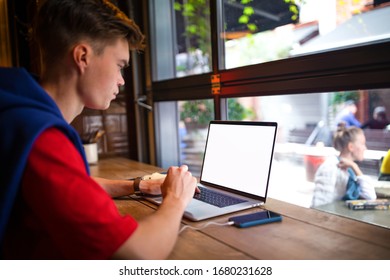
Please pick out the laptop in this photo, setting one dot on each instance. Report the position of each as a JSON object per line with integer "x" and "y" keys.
{"x": 237, "y": 164}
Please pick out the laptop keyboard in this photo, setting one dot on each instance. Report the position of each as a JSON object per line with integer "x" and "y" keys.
{"x": 216, "y": 198}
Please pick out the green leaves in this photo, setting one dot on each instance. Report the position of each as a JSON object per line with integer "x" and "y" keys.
{"x": 244, "y": 19}
{"x": 246, "y": 14}
{"x": 192, "y": 29}
{"x": 248, "y": 11}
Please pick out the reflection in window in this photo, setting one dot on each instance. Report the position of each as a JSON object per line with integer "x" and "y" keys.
{"x": 261, "y": 31}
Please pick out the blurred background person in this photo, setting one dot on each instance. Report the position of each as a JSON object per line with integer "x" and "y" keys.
{"x": 346, "y": 116}
{"x": 379, "y": 119}
{"x": 340, "y": 178}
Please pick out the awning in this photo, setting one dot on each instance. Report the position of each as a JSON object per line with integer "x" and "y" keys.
{"x": 361, "y": 28}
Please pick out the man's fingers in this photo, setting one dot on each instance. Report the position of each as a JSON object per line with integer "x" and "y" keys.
{"x": 184, "y": 167}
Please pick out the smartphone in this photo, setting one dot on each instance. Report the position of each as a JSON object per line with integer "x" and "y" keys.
{"x": 253, "y": 219}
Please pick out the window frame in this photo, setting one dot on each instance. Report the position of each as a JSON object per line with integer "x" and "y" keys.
{"x": 361, "y": 67}
{"x": 365, "y": 66}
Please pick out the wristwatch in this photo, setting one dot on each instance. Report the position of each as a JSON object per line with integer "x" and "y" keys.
{"x": 136, "y": 184}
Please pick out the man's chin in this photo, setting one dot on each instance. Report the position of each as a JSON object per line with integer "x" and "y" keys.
{"x": 99, "y": 107}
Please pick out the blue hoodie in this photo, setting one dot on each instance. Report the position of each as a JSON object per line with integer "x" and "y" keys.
{"x": 26, "y": 110}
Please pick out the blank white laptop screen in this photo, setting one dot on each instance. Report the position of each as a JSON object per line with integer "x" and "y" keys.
{"x": 239, "y": 156}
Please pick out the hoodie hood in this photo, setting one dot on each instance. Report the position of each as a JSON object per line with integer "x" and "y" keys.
{"x": 26, "y": 110}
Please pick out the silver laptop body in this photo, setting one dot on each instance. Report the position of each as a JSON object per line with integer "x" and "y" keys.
{"x": 237, "y": 161}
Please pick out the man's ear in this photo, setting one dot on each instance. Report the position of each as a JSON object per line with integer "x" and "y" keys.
{"x": 82, "y": 55}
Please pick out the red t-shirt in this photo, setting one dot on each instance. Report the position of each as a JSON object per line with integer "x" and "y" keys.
{"x": 61, "y": 212}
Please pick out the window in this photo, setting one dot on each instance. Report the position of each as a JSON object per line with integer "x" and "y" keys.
{"x": 193, "y": 37}
{"x": 183, "y": 36}
{"x": 261, "y": 31}
{"x": 304, "y": 139}
{"x": 195, "y": 116}
{"x": 274, "y": 60}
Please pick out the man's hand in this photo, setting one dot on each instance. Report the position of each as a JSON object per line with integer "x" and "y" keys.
{"x": 179, "y": 185}
{"x": 157, "y": 233}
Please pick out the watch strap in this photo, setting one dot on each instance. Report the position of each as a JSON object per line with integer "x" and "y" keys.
{"x": 136, "y": 184}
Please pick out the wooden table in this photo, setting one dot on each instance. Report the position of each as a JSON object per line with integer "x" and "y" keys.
{"x": 303, "y": 234}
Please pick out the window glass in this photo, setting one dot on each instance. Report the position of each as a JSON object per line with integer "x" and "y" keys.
{"x": 195, "y": 116}
{"x": 193, "y": 41}
{"x": 257, "y": 31}
{"x": 306, "y": 123}
{"x": 180, "y": 38}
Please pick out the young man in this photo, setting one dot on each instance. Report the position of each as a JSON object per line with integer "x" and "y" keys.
{"x": 50, "y": 206}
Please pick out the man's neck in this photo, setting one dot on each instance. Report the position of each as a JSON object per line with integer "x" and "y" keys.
{"x": 65, "y": 98}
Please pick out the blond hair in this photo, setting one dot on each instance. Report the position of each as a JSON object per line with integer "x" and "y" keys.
{"x": 344, "y": 136}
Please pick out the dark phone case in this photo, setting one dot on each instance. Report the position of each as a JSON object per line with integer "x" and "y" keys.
{"x": 258, "y": 218}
